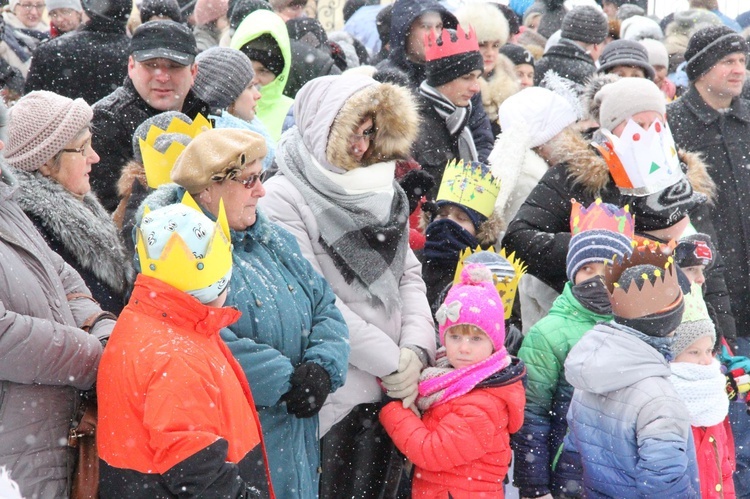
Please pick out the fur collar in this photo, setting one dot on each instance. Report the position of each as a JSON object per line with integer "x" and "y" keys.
{"x": 396, "y": 118}
{"x": 84, "y": 227}
{"x": 502, "y": 84}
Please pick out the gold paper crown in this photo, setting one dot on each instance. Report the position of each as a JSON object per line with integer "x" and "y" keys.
{"x": 178, "y": 266}
{"x": 641, "y": 162}
{"x": 470, "y": 185}
{"x": 649, "y": 298}
{"x": 159, "y": 165}
{"x": 506, "y": 287}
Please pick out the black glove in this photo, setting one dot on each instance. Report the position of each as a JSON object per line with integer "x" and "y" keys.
{"x": 310, "y": 388}
{"x": 416, "y": 183}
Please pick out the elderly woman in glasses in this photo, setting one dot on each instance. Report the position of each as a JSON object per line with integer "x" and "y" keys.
{"x": 291, "y": 340}
{"x": 335, "y": 191}
{"x": 49, "y": 147}
{"x": 27, "y": 16}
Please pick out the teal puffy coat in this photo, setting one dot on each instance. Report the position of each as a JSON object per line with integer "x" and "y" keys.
{"x": 548, "y": 394}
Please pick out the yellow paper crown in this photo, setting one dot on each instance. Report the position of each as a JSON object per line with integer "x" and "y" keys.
{"x": 178, "y": 266}
{"x": 158, "y": 165}
{"x": 507, "y": 286}
{"x": 470, "y": 185}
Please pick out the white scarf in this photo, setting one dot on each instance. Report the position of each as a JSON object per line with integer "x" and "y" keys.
{"x": 703, "y": 390}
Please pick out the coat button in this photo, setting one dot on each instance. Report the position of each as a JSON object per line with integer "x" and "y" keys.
{"x": 711, "y": 439}
{"x": 718, "y": 487}
{"x": 257, "y": 302}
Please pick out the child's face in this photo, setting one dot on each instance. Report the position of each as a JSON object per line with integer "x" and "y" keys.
{"x": 466, "y": 345}
{"x": 453, "y": 212}
{"x": 590, "y": 270}
{"x": 695, "y": 274}
{"x": 700, "y": 352}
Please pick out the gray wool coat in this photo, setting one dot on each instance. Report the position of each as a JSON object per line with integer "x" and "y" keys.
{"x": 45, "y": 359}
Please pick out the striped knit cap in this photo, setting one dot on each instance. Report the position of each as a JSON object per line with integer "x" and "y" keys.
{"x": 223, "y": 74}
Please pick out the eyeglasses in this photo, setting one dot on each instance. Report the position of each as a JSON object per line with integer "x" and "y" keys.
{"x": 366, "y": 136}
{"x": 249, "y": 182}
{"x": 80, "y": 150}
{"x": 28, "y": 7}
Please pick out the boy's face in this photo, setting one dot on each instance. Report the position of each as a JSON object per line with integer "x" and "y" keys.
{"x": 590, "y": 270}
{"x": 462, "y": 89}
{"x": 429, "y": 22}
{"x": 700, "y": 352}
{"x": 695, "y": 274}
{"x": 456, "y": 214}
{"x": 466, "y": 345}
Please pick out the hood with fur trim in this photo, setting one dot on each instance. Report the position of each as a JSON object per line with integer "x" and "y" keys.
{"x": 329, "y": 109}
{"x": 487, "y": 21}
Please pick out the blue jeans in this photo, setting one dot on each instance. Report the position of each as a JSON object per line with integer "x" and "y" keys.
{"x": 740, "y": 421}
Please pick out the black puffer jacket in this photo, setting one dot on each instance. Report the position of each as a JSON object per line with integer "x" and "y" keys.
{"x": 115, "y": 119}
{"x": 724, "y": 141}
{"x": 567, "y": 60}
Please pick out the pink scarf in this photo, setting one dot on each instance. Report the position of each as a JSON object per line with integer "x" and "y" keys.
{"x": 440, "y": 384}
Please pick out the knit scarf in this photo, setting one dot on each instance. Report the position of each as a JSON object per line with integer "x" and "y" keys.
{"x": 456, "y": 119}
{"x": 362, "y": 230}
{"x": 439, "y": 384}
{"x": 702, "y": 388}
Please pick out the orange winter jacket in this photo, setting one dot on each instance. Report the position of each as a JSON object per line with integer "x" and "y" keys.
{"x": 176, "y": 416}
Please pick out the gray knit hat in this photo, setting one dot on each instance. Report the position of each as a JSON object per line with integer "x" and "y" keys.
{"x": 64, "y": 4}
{"x": 696, "y": 323}
{"x": 585, "y": 24}
{"x": 161, "y": 120}
{"x": 41, "y": 125}
{"x": 625, "y": 53}
{"x": 223, "y": 74}
{"x": 625, "y": 97}
{"x": 657, "y": 52}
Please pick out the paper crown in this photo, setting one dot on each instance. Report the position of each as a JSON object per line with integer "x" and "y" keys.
{"x": 649, "y": 298}
{"x": 470, "y": 185}
{"x": 506, "y": 286}
{"x": 695, "y": 305}
{"x": 641, "y": 162}
{"x": 600, "y": 217}
{"x": 178, "y": 266}
{"x": 158, "y": 165}
{"x": 444, "y": 46}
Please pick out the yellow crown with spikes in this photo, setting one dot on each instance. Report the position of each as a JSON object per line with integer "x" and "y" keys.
{"x": 159, "y": 165}
{"x": 178, "y": 266}
{"x": 506, "y": 286}
{"x": 470, "y": 185}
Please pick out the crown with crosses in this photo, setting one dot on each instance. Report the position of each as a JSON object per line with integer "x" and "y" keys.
{"x": 506, "y": 286}
{"x": 597, "y": 216}
{"x": 641, "y": 162}
{"x": 471, "y": 185}
{"x": 444, "y": 46}
{"x": 159, "y": 165}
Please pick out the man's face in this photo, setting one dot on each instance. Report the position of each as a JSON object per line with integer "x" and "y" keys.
{"x": 65, "y": 20}
{"x": 726, "y": 78}
{"x": 462, "y": 89}
{"x": 162, "y": 83}
{"x": 428, "y": 22}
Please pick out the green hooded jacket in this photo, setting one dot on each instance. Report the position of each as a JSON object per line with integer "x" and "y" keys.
{"x": 273, "y": 105}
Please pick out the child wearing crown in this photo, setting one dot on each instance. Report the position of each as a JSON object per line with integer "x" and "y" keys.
{"x": 601, "y": 233}
{"x": 629, "y": 430}
{"x": 472, "y": 400}
{"x": 176, "y": 416}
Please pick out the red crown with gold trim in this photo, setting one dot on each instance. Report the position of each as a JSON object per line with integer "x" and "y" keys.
{"x": 444, "y": 46}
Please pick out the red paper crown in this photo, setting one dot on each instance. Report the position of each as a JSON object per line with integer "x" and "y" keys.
{"x": 597, "y": 216}
{"x": 444, "y": 46}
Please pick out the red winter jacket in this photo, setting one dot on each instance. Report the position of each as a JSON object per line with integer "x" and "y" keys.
{"x": 176, "y": 416}
{"x": 714, "y": 450}
{"x": 461, "y": 448}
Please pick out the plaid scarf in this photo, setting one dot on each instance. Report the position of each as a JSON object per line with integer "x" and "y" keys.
{"x": 456, "y": 119}
{"x": 364, "y": 233}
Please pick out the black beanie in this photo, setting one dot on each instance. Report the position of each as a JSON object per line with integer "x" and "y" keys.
{"x": 162, "y": 8}
{"x": 517, "y": 54}
{"x": 266, "y": 51}
{"x": 243, "y": 8}
{"x": 693, "y": 250}
{"x": 442, "y": 70}
{"x": 708, "y": 46}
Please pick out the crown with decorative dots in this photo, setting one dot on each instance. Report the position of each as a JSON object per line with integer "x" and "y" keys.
{"x": 444, "y": 46}
{"x": 158, "y": 165}
{"x": 178, "y": 266}
{"x": 471, "y": 185}
{"x": 641, "y": 162}
{"x": 506, "y": 282}
{"x": 650, "y": 298}
{"x": 601, "y": 217}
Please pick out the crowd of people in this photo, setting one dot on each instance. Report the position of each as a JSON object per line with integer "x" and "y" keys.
{"x": 246, "y": 257}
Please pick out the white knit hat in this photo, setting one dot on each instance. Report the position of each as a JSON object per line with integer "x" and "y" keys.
{"x": 657, "y": 52}
{"x": 41, "y": 125}
{"x": 625, "y": 97}
{"x": 64, "y": 4}
{"x": 544, "y": 113}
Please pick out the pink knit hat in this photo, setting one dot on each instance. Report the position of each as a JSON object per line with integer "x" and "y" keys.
{"x": 210, "y": 10}
{"x": 41, "y": 125}
{"x": 474, "y": 300}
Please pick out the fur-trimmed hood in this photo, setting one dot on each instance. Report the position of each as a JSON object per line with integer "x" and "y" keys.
{"x": 502, "y": 84}
{"x": 329, "y": 109}
{"x": 82, "y": 226}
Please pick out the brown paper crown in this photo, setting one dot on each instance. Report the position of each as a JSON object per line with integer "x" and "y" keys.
{"x": 649, "y": 298}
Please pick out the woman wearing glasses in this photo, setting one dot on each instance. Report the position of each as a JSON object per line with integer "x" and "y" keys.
{"x": 50, "y": 149}
{"x": 335, "y": 191}
{"x": 26, "y": 16}
{"x": 291, "y": 340}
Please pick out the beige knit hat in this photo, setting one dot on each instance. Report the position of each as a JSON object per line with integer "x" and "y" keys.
{"x": 41, "y": 124}
{"x": 214, "y": 155}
